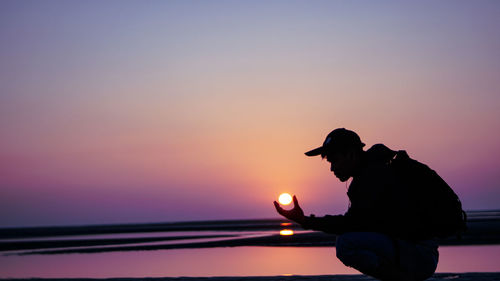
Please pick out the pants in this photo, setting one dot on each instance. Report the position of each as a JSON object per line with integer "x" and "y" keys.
{"x": 379, "y": 256}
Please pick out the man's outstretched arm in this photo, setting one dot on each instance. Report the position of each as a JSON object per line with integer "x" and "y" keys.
{"x": 329, "y": 224}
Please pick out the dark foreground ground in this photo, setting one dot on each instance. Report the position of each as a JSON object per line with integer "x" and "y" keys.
{"x": 439, "y": 276}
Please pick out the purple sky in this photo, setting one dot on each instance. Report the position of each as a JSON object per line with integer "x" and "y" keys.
{"x": 129, "y": 111}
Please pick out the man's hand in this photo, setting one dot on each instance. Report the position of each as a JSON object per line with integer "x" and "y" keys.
{"x": 296, "y": 214}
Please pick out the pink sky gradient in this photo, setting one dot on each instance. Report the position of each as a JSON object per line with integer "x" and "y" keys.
{"x": 166, "y": 111}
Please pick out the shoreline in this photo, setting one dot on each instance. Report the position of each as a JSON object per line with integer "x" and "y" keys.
{"x": 483, "y": 229}
{"x": 476, "y": 276}
{"x": 313, "y": 239}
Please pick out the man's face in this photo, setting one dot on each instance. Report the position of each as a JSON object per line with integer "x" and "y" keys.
{"x": 343, "y": 164}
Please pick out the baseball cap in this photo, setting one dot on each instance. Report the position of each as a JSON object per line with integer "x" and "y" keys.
{"x": 337, "y": 139}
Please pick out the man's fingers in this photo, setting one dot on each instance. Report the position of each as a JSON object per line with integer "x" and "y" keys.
{"x": 277, "y": 205}
{"x": 278, "y": 208}
{"x": 295, "y": 201}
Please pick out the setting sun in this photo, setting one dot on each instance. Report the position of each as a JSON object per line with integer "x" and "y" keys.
{"x": 285, "y": 199}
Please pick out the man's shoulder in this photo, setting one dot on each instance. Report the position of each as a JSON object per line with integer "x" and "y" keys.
{"x": 376, "y": 167}
{"x": 376, "y": 159}
{"x": 379, "y": 153}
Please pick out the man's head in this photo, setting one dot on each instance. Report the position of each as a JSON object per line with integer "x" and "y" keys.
{"x": 343, "y": 149}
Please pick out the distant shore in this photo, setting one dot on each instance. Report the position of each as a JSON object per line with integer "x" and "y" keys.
{"x": 438, "y": 276}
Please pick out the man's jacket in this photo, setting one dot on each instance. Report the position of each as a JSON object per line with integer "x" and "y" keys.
{"x": 375, "y": 204}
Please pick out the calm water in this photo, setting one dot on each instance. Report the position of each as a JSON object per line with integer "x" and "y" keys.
{"x": 234, "y": 261}
{"x": 239, "y": 261}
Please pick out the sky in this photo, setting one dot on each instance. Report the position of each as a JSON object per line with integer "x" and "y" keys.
{"x": 158, "y": 111}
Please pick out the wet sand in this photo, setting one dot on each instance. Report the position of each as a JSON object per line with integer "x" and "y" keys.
{"x": 482, "y": 230}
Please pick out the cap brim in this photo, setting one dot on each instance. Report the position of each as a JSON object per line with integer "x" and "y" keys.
{"x": 315, "y": 152}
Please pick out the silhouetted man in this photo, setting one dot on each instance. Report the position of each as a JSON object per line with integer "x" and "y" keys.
{"x": 368, "y": 238}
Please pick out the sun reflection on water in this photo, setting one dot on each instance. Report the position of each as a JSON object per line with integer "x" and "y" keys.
{"x": 286, "y": 232}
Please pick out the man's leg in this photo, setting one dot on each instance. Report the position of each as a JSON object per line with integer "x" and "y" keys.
{"x": 377, "y": 255}
{"x": 371, "y": 253}
{"x": 418, "y": 260}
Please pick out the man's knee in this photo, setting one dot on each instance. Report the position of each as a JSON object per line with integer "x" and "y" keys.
{"x": 364, "y": 249}
{"x": 344, "y": 246}
{"x": 357, "y": 250}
